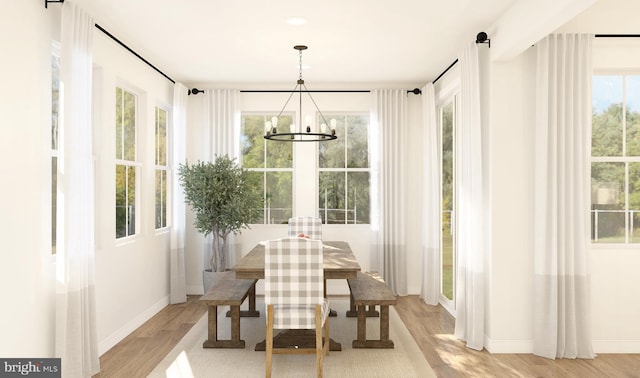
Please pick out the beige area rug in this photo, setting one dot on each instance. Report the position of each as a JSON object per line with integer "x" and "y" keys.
{"x": 189, "y": 359}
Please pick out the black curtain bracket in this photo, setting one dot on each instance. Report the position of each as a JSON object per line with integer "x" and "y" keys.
{"x": 46, "y": 2}
{"x": 194, "y": 91}
{"x": 483, "y": 38}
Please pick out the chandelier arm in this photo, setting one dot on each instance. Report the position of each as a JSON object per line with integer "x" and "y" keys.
{"x": 288, "y": 99}
{"x": 316, "y": 105}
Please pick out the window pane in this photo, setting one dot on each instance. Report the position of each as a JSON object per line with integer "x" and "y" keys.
{"x": 332, "y": 153}
{"x": 279, "y": 197}
{"x": 607, "y": 116}
{"x": 358, "y": 199}
{"x": 633, "y": 115}
{"x": 607, "y": 202}
{"x": 634, "y": 202}
{"x": 357, "y": 142}
{"x": 125, "y": 200}
{"x": 131, "y": 200}
{"x": 251, "y": 141}
{"x": 54, "y": 201}
{"x": 447, "y": 252}
{"x": 332, "y": 201}
{"x": 129, "y": 125}
{"x": 279, "y": 154}
{"x": 161, "y": 198}
{"x": 161, "y": 136}
{"x": 55, "y": 100}
{"x": 119, "y": 123}
{"x": 121, "y": 201}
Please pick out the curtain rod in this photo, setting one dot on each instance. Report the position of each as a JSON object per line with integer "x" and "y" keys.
{"x": 617, "y": 35}
{"x": 195, "y": 91}
{"x": 481, "y": 37}
{"x": 445, "y": 71}
{"x": 133, "y": 52}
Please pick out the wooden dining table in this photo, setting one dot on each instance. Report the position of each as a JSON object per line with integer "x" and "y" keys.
{"x": 339, "y": 262}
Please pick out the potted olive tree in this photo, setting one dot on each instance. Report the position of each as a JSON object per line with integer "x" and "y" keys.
{"x": 225, "y": 200}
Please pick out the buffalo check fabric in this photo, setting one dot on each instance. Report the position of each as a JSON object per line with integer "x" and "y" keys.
{"x": 293, "y": 276}
{"x": 311, "y": 226}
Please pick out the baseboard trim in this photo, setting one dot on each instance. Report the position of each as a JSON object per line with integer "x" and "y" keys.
{"x": 195, "y": 289}
{"x": 616, "y": 346}
{"x": 526, "y": 346}
{"x": 508, "y": 346}
{"x": 116, "y": 337}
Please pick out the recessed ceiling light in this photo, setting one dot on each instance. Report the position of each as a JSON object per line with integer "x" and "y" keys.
{"x": 296, "y": 21}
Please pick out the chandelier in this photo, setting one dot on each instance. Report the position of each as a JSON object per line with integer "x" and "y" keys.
{"x": 302, "y": 132}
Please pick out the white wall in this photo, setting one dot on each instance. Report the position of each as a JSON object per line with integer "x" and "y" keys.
{"x": 26, "y": 264}
{"x": 132, "y": 276}
{"x": 510, "y": 288}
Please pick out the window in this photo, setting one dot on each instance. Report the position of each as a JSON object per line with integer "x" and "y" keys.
{"x": 126, "y": 108}
{"x": 55, "y": 117}
{"x": 615, "y": 162}
{"x": 343, "y": 181}
{"x": 161, "y": 167}
{"x": 447, "y": 241}
{"x": 273, "y": 164}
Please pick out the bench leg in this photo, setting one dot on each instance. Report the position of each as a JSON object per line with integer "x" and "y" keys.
{"x": 212, "y": 341}
{"x": 251, "y": 312}
{"x": 362, "y": 341}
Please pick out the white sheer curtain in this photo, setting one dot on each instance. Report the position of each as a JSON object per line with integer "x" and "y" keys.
{"x": 222, "y": 121}
{"x": 389, "y": 192}
{"x": 76, "y": 335}
{"x": 562, "y": 309}
{"x": 178, "y": 288}
{"x": 470, "y": 234}
{"x": 431, "y": 228}
{"x": 222, "y": 133}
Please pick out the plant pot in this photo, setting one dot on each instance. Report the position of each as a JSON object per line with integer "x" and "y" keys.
{"x": 210, "y": 277}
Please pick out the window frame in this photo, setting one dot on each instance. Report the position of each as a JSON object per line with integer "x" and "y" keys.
{"x": 626, "y": 160}
{"x": 452, "y": 98}
{"x": 136, "y": 164}
{"x": 264, "y": 170}
{"x": 162, "y": 168}
{"x": 322, "y": 211}
{"x": 54, "y": 147}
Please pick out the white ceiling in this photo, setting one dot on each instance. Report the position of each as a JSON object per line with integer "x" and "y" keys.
{"x": 249, "y": 41}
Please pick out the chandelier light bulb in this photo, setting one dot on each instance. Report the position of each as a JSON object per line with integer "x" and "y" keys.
{"x": 323, "y": 128}
{"x": 267, "y": 127}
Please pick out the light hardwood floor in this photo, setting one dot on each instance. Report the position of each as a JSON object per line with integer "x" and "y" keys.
{"x": 431, "y": 327}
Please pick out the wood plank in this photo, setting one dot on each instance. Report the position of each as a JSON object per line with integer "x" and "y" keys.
{"x": 339, "y": 262}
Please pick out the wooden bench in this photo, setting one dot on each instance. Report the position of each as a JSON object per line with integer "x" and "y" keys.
{"x": 229, "y": 291}
{"x": 370, "y": 290}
